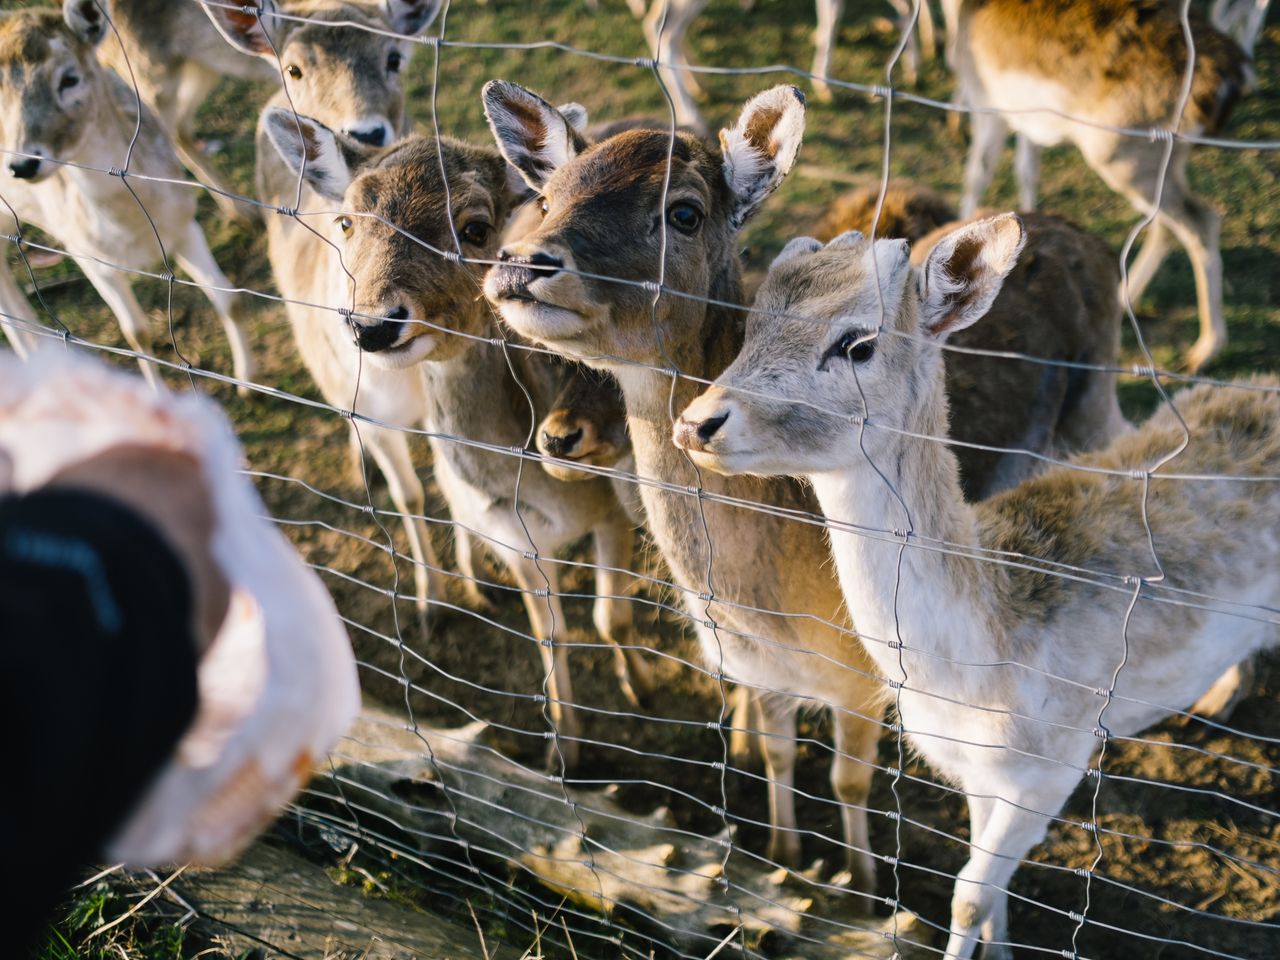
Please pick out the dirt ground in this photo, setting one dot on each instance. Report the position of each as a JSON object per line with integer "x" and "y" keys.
{"x": 1183, "y": 796}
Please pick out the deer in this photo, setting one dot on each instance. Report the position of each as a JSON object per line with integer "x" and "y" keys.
{"x": 1242, "y": 20}
{"x": 63, "y": 118}
{"x": 1008, "y": 671}
{"x": 173, "y": 56}
{"x": 909, "y": 211}
{"x": 602, "y": 220}
{"x": 1052, "y": 77}
{"x": 421, "y": 313}
{"x": 666, "y": 28}
{"x": 349, "y": 78}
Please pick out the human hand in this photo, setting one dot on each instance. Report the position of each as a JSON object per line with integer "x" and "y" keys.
{"x": 168, "y": 489}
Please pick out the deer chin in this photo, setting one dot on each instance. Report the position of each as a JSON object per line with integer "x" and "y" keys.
{"x": 405, "y": 354}
{"x": 543, "y": 322}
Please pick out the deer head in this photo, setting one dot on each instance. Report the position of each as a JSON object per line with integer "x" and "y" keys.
{"x": 347, "y": 76}
{"x": 841, "y": 333}
{"x": 399, "y": 217}
{"x": 51, "y": 87}
{"x": 613, "y": 207}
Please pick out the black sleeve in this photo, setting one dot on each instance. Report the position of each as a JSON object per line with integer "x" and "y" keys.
{"x": 98, "y": 683}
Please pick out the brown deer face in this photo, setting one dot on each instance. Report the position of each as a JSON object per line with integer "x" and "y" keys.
{"x": 617, "y": 210}
{"x": 51, "y": 87}
{"x": 400, "y": 225}
{"x": 346, "y": 76}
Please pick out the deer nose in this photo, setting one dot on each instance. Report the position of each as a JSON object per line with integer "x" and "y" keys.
{"x": 515, "y": 272}
{"x": 561, "y": 445}
{"x": 24, "y": 168}
{"x": 375, "y": 134}
{"x": 375, "y": 336}
{"x": 696, "y": 434}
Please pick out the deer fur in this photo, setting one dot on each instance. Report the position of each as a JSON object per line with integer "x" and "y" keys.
{"x": 474, "y": 390}
{"x": 175, "y": 57}
{"x": 910, "y": 210}
{"x": 1016, "y": 740}
{"x": 600, "y": 203}
{"x": 1118, "y": 63}
{"x": 59, "y": 107}
{"x": 346, "y": 81}
{"x": 666, "y": 28}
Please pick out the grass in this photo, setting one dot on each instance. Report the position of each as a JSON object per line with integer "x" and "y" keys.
{"x": 846, "y": 136}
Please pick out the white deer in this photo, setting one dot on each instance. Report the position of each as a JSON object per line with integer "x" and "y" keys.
{"x": 63, "y": 118}
{"x": 1023, "y": 65}
{"x": 1007, "y": 669}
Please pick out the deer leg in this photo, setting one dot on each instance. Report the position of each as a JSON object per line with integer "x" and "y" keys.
{"x": 114, "y": 288}
{"x": 855, "y": 756}
{"x": 612, "y": 613}
{"x": 910, "y": 52}
{"x": 15, "y": 314}
{"x": 778, "y": 744}
{"x": 546, "y": 618}
{"x": 1026, "y": 170}
{"x": 390, "y": 451}
{"x": 988, "y": 135}
{"x": 743, "y": 740}
{"x": 1220, "y": 701}
{"x": 1196, "y": 225}
{"x": 928, "y": 35}
{"x": 1009, "y": 829}
{"x": 824, "y": 41}
{"x": 1155, "y": 247}
{"x": 665, "y": 27}
{"x": 194, "y": 256}
{"x": 195, "y": 84}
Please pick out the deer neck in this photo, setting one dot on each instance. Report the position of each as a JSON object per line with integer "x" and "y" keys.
{"x": 929, "y": 600}
{"x": 474, "y": 395}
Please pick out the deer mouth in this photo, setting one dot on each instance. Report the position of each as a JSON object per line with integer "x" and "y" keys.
{"x": 411, "y": 349}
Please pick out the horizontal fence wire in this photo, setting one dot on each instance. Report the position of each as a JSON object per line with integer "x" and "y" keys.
{"x": 458, "y": 791}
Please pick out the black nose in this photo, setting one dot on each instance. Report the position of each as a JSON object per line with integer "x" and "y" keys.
{"x": 517, "y": 271}
{"x": 374, "y": 138}
{"x": 24, "y": 168}
{"x": 376, "y": 335}
{"x": 398, "y": 313}
{"x": 558, "y": 446}
{"x": 707, "y": 428}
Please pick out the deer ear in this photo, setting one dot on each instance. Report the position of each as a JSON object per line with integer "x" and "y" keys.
{"x": 534, "y": 136}
{"x": 87, "y": 19}
{"x": 760, "y": 149}
{"x": 850, "y": 238}
{"x": 796, "y": 247}
{"x": 309, "y": 147}
{"x": 963, "y": 274}
{"x": 576, "y": 114}
{"x": 249, "y": 32}
{"x": 410, "y": 17}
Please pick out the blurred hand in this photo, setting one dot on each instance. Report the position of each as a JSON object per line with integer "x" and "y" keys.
{"x": 168, "y": 489}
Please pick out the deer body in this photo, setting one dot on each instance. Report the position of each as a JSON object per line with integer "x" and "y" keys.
{"x": 61, "y": 109}
{"x": 420, "y": 316}
{"x": 1000, "y": 663}
{"x": 349, "y": 78}
{"x": 1117, "y": 64}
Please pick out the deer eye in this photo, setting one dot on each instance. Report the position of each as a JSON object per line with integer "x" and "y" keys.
{"x": 68, "y": 81}
{"x": 345, "y": 224}
{"x": 685, "y": 217}
{"x": 476, "y": 233}
{"x": 543, "y": 207}
{"x": 856, "y": 347}
{"x": 394, "y": 59}
{"x": 294, "y": 71}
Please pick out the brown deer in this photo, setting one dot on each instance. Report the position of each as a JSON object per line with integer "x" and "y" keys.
{"x": 603, "y": 221}
{"x": 350, "y": 79}
{"x": 420, "y": 313}
{"x": 1033, "y": 65}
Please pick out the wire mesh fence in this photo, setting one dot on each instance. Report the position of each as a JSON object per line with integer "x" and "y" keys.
{"x": 756, "y": 762}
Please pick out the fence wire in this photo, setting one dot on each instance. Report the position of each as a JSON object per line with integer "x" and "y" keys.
{"x": 458, "y": 792}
